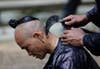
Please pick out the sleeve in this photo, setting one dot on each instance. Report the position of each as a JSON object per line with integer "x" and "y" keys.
{"x": 94, "y": 15}
{"x": 92, "y": 43}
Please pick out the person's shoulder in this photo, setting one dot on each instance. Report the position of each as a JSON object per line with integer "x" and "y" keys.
{"x": 68, "y": 49}
{"x": 71, "y": 53}
{"x": 65, "y": 49}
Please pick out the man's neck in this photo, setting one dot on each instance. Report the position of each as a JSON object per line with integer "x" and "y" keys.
{"x": 52, "y": 41}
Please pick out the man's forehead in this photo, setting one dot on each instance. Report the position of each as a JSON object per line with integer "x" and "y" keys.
{"x": 21, "y": 41}
{"x": 20, "y": 36}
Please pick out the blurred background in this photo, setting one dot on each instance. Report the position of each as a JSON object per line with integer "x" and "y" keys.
{"x": 11, "y": 56}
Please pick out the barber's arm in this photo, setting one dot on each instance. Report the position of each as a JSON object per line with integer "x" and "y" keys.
{"x": 92, "y": 42}
{"x": 80, "y": 20}
{"x": 77, "y": 37}
{"x": 94, "y": 15}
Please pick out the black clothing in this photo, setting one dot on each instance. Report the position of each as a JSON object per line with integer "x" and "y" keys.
{"x": 94, "y": 14}
{"x": 92, "y": 40}
{"x": 70, "y": 57}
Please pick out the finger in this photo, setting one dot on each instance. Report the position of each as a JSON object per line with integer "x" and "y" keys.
{"x": 66, "y": 31}
{"x": 65, "y": 43}
{"x": 66, "y": 40}
{"x": 71, "y": 22}
{"x": 63, "y": 36}
{"x": 72, "y": 28}
{"x": 67, "y": 18}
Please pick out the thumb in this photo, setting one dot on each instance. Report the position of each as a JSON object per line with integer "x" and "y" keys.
{"x": 72, "y": 28}
{"x": 69, "y": 22}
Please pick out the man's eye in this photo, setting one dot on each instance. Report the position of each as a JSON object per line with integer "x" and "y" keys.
{"x": 22, "y": 48}
{"x": 27, "y": 49}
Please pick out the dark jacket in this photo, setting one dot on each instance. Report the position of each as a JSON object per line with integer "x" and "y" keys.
{"x": 94, "y": 14}
{"x": 92, "y": 40}
{"x": 70, "y": 57}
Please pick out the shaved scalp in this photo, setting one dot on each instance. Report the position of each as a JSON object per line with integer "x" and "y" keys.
{"x": 26, "y": 29}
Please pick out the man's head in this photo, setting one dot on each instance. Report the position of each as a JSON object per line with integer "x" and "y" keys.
{"x": 30, "y": 35}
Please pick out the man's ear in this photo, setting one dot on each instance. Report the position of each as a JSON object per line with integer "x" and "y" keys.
{"x": 39, "y": 35}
